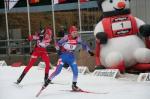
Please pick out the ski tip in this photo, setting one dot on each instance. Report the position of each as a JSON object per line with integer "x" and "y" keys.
{"x": 40, "y": 91}
{"x": 37, "y": 96}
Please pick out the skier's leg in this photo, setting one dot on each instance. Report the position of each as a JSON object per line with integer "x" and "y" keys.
{"x": 74, "y": 69}
{"x": 27, "y": 68}
{"x": 75, "y": 76}
{"x": 46, "y": 59}
{"x": 55, "y": 73}
{"x": 57, "y": 70}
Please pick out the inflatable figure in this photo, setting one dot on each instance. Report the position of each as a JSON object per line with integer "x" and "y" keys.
{"x": 122, "y": 40}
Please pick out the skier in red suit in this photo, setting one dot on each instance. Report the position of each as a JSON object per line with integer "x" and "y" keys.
{"x": 43, "y": 39}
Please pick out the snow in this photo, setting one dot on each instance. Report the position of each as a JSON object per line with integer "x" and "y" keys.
{"x": 121, "y": 88}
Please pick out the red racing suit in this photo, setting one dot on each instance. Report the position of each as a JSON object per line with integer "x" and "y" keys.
{"x": 40, "y": 50}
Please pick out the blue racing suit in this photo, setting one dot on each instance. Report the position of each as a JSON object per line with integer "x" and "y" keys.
{"x": 67, "y": 47}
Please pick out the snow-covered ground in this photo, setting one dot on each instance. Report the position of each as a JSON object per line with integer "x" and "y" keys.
{"x": 123, "y": 88}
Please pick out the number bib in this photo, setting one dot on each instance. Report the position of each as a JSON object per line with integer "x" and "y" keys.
{"x": 121, "y": 26}
{"x": 69, "y": 46}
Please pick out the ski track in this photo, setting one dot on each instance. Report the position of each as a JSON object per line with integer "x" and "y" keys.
{"x": 121, "y": 88}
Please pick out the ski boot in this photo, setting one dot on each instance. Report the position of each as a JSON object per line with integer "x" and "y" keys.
{"x": 46, "y": 83}
{"x": 46, "y": 77}
{"x": 75, "y": 87}
{"x": 20, "y": 78}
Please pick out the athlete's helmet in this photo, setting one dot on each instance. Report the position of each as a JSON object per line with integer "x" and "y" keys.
{"x": 48, "y": 33}
{"x": 73, "y": 31}
{"x": 48, "y": 30}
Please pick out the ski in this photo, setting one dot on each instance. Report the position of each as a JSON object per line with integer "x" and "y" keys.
{"x": 37, "y": 83}
{"x": 44, "y": 88}
{"x": 59, "y": 83}
{"x": 40, "y": 91}
{"x": 86, "y": 91}
{"x": 27, "y": 84}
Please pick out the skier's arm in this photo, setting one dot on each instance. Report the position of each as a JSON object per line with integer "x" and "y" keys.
{"x": 85, "y": 46}
{"x": 60, "y": 43}
{"x": 33, "y": 37}
{"x": 45, "y": 42}
{"x": 63, "y": 40}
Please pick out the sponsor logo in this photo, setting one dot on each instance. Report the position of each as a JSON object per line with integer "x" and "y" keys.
{"x": 3, "y": 63}
{"x": 106, "y": 73}
{"x": 123, "y": 32}
{"x": 120, "y": 19}
{"x": 81, "y": 69}
{"x": 144, "y": 77}
{"x": 148, "y": 77}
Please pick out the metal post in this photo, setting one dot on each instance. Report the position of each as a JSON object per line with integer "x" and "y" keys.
{"x": 29, "y": 22}
{"x": 79, "y": 11}
{"x": 53, "y": 15}
{"x": 7, "y": 31}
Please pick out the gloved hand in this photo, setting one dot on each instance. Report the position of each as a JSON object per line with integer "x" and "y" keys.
{"x": 91, "y": 53}
{"x": 58, "y": 52}
{"x": 57, "y": 47}
{"x": 41, "y": 37}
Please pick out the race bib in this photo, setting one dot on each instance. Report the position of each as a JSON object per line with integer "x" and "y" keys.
{"x": 121, "y": 26}
{"x": 69, "y": 46}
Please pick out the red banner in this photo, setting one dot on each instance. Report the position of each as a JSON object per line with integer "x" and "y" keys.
{"x": 84, "y": 0}
{"x": 59, "y": 1}
{"x": 34, "y": 1}
{"x": 68, "y": 1}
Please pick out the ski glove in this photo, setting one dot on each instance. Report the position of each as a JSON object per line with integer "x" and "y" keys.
{"x": 58, "y": 52}
{"x": 91, "y": 53}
